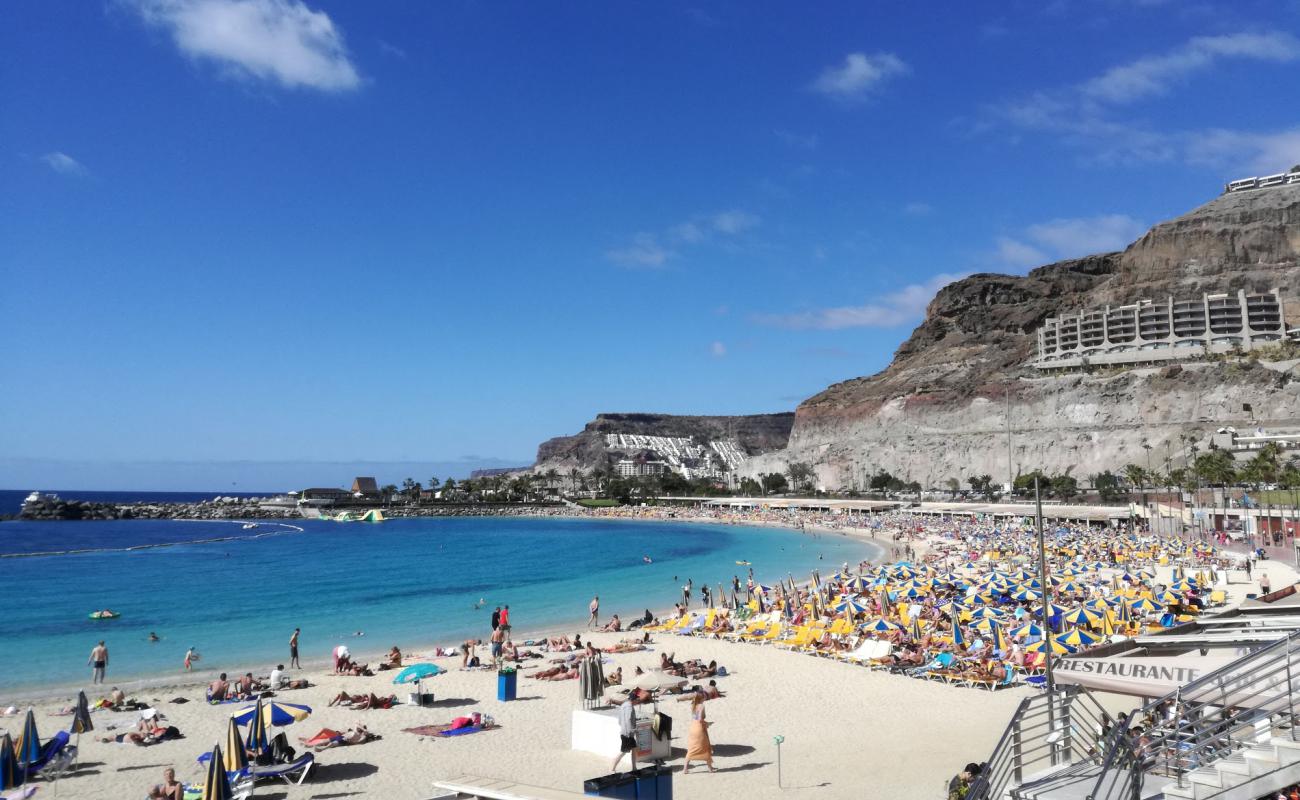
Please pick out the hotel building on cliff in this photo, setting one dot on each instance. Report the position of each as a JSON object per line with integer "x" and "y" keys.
{"x": 1167, "y": 330}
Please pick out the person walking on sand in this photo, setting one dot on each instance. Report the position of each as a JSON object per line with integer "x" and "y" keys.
{"x": 1265, "y": 585}
{"x": 505, "y": 620}
{"x": 98, "y": 662}
{"x": 626, "y": 733}
{"x": 698, "y": 746}
{"x": 498, "y": 639}
{"x": 594, "y": 608}
{"x": 293, "y": 649}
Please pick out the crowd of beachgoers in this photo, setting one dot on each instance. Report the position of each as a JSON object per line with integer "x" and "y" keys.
{"x": 957, "y": 602}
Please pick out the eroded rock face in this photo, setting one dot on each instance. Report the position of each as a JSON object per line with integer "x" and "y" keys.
{"x": 940, "y": 409}
{"x": 756, "y": 433}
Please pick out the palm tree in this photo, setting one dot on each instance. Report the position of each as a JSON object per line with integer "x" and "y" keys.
{"x": 1136, "y": 477}
{"x": 575, "y": 475}
{"x": 387, "y": 491}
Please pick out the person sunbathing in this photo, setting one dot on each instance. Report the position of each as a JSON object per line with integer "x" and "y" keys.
{"x": 624, "y": 647}
{"x": 218, "y": 689}
{"x": 354, "y": 669}
{"x": 697, "y": 670}
{"x": 373, "y": 701}
{"x": 345, "y": 699}
{"x": 328, "y": 738}
{"x": 614, "y": 678}
{"x": 614, "y": 625}
{"x": 560, "y": 673}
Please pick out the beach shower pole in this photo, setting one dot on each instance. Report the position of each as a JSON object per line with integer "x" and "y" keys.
{"x": 1046, "y": 579}
{"x": 778, "y": 740}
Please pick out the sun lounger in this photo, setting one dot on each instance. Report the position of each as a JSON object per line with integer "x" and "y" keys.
{"x": 300, "y": 767}
{"x": 867, "y": 651}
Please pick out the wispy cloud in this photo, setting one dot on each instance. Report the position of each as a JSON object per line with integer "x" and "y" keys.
{"x": 717, "y": 349}
{"x": 644, "y": 251}
{"x": 854, "y": 80}
{"x": 734, "y": 221}
{"x": 917, "y": 209}
{"x": 1155, "y": 74}
{"x": 390, "y": 49}
{"x": 1068, "y": 238}
{"x": 282, "y": 41}
{"x": 64, "y": 164}
{"x": 902, "y": 307}
{"x": 1088, "y": 115}
{"x": 652, "y": 250}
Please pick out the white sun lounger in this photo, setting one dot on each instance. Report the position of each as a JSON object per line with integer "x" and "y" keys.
{"x": 470, "y": 786}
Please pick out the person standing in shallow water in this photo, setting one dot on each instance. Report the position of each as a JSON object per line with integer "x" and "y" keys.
{"x": 496, "y": 618}
{"x": 98, "y": 662}
{"x": 293, "y": 649}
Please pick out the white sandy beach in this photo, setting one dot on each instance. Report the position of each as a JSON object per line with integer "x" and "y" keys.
{"x": 848, "y": 732}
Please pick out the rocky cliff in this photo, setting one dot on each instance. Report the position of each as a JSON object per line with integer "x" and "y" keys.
{"x": 756, "y": 434}
{"x": 940, "y": 410}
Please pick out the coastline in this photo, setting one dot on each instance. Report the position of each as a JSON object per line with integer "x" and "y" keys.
{"x": 167, "y": 682}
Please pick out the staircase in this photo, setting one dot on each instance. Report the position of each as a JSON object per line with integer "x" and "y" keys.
{"x": 1228, "y": 735}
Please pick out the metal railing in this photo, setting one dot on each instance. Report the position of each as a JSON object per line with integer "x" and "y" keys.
{"x": 1214, "y": 716}
{"x": 1046, "y": 730}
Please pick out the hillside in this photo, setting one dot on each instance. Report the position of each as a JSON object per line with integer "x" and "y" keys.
{"x": 754, "y": 434}
{"x": 939, "y": 410}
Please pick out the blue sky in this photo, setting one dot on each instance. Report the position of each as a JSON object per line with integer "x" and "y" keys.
{"x": 270, "y": 231}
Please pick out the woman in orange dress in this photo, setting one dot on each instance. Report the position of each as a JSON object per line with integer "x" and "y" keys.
{"x": 698, "y": 746}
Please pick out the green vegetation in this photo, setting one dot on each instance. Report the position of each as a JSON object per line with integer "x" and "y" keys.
{"x": 597, "y": 502}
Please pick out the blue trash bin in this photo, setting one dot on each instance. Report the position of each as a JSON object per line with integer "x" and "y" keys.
{"x": 507, "y": 685}
{"x": 647, "y": 783}
{"x": 663, "y": 783}
{"x": 621, "y": 785}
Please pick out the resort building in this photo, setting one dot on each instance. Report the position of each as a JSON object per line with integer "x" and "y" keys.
{"x": 1266, "y": 182}
{"x": 637, "y": 468}
{"x": 682, "y": 455}
{"x": 1155, "y": 331}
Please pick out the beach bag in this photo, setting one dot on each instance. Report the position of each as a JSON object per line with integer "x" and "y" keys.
{"x": 662, "y": 726}
{"x": 722, "y": 672}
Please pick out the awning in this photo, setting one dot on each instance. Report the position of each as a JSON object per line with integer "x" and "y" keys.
{"x": 1141, "y": 676}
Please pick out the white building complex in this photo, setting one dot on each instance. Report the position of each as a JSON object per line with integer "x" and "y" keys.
{"x": 683, "y": 455}
{"x": 1155, "y": 331}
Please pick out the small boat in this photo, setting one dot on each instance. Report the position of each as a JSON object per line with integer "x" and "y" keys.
{"x": 743, "y": 563}
{"x": 248, "y": 526}
{"x": 105, "y": 614}
{"x": 36, "y": 497}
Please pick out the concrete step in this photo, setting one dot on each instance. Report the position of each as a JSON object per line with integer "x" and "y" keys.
{"x": 1235, "y": 764}
{"x": 1207, "y": 776}
{"x": 1262, "y": 753}
{"x": 1284, "y": 742}
{"x": 1187, "y": 792}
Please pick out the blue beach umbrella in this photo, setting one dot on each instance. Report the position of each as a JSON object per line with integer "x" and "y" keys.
{"x": 958, "y": 638}
{"x": 28, "y": 748}
{"x": 997, "y": 636}
{"x": 258, "y": 738}
{"x": 879, "y": 625}
{"x": 236, "y": 755}
{"x": 916, "y": 629}
{"x": 850, "y": 606}
{"x": 418, "y": 672}
{"x": 11, "y": 774}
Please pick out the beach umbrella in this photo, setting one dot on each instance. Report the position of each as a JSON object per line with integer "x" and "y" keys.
{"x": 1076, "y": 637}
{"x": 987, "y": 612}
{"x": 217, "y": 785}
{"x": 1026, "y": 594}
{"x": 858, "y": 584}
{"x": 957, "y": 637}
{"x": 1108, "y": 623}
{"x": 1081, "y": 616}
{"x": 236, "y": 755}
{"x": 1058, "y": 648}
{"x": 850, "y": 606}
{"x": 915, "y": 629}
{"x": 28, "y": 748}
{"x": 258, "y": 738}
{"x": 1028, "y": 629}
{"x": 997, "y": 636}
{"x": 416, "y": 673}
{"x": 273, "y": 713}
{"x": 880, "y": 625}
{"x": 656, "y": 680}
{"x": 81, "y": 722}
{"x": 11, "y": 774}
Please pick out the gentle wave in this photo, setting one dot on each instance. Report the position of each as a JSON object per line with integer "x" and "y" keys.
{"x": 156, "y": 545}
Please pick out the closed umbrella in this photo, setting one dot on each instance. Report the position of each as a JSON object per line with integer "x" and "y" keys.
{"x": 28, "y": 748}
{"x": 997, "y": 636}
{"x": 236, "y": 755}
{"x": 258, "y": 738}
{"x": 958, "y": 639}
{"x": 217, "y": 785}
{"x": 11, "y": 774}
{"x": 81, "y": 722}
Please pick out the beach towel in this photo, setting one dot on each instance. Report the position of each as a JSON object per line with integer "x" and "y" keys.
{"x": 447, "y": 730}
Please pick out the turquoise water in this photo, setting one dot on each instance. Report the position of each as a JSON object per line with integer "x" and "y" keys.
{"x": 406, "y": 582}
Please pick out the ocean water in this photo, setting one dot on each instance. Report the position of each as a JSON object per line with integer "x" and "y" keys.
{"x": 237, "y": 594}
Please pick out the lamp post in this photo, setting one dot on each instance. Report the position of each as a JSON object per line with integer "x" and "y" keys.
{"x": 1046, "y": 580}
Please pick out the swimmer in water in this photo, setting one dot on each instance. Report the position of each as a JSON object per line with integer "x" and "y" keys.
{"x": 646, "y": 559}
{"x": 153, "y": 637}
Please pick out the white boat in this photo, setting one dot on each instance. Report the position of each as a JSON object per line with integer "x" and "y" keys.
{"x": 36, "y": 497}
{"x": 248, "y": 526}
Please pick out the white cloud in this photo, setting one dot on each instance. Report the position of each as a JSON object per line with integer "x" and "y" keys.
{"x": 717, "y": 349}
{"x": 1015, "y": 253}
{"x": 858, "y": 75}
{"x": 1083, "y": 115}
{"x": 1153, "y": 75}
{"x": 282, "y": 41}
{"x": 734, "y": 221}
{"x": 799, "y": 141}
{"x": 644, "y": 251}
{"x": 64, "y": 164}
{"x": 1258, "y": 153}
{"x": 655, "y": 249}
{"x": 1075, "y": 237}
{"x": 917, "y": 209}
{"x": 905, "y": 306}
